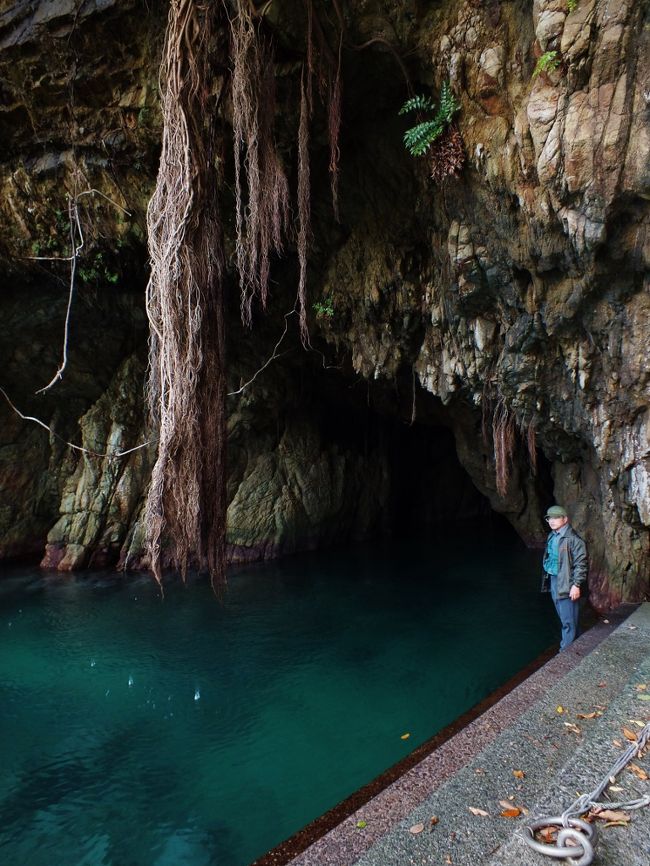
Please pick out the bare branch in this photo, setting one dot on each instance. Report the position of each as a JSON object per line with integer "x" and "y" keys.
{"x": 92, "y": 453}
{"x": 76, "y": 234}
{"x": 274, "y": 355}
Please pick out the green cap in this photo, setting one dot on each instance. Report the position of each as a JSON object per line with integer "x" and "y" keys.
{"x": 556, "y": 511}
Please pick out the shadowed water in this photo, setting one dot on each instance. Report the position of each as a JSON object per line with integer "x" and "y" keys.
{"x": 141, "y": 732}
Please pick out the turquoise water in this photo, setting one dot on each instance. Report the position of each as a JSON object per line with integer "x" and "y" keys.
{"x": 136, "y": 731}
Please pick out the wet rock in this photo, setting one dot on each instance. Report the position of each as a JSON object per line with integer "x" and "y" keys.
{"x": 520, "y": 285}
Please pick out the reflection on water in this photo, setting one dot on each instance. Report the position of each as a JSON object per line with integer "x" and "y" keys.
{"x": 136, "y": 731}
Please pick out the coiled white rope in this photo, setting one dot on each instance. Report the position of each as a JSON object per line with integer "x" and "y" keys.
{"x": 576, "y": 840}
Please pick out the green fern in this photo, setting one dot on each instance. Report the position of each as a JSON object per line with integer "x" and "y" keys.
{"x": 417, "y": 103}
{"x": 418, "y": 139}
{"x": 572, "y": 5}
{"x": 448, "y": 103}
{"x": 548, "y": 62}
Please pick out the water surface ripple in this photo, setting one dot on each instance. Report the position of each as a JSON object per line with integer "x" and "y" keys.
{"x": 136, "y": 731}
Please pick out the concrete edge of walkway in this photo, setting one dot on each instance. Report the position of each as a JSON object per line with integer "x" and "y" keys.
{"x": 334, "y": 838}
{"x": 563, "y": 745}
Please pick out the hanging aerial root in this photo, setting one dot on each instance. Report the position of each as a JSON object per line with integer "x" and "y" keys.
{"x": 186, "y": 387}
{"x": 261, "y": 188}
{"x": 503, "y": 437}
{"x": 304, "y": 209}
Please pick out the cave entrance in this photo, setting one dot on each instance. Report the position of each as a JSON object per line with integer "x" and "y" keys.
{"x": 429, "y": 489}
{"x": 426, "y": 490}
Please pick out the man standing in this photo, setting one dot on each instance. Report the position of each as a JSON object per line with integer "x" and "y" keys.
{"x": 565, "y": 567}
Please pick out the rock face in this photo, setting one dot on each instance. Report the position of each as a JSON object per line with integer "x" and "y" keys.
{"x": 509, "y": 305}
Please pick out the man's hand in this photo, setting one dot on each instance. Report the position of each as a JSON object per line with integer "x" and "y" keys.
{"x": 574, "y": 593}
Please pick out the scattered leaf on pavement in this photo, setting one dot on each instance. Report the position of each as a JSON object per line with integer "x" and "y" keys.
{"x": 573, "y": 728}
{"x": 616, "y": 789}
{"x": 433, "y": 820}
{"x": 361, "y": 824}
{"x": 480, "y": 812}
{"x": 616, "y": 824}
{"x": 643, "y": 697}
{"x": 559, "y": 709}
{"x": 512, "y": 812}
{"x": 416, "y": 828}
{"x": 638, "y": 772}
{"x": 602, "y": 685}
{"x": 637, "y": 723}
{"x": 618, "y": 743}
{"x": 518, "y": 774}
{"x": 629, "y": 735}
{"x": 642, "y": 687}
{"x": 549, "y": 834}
{"x": 611, "y": 815}
{"x": 593, "y": 715}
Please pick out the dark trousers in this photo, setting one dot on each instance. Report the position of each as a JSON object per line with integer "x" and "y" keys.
{"x": 568, "y": 612}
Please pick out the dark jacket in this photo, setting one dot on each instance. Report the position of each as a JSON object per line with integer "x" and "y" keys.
{"x": 572, "y": 563}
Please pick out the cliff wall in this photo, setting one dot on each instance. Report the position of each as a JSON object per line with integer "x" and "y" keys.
{"x": 509, "y": 305}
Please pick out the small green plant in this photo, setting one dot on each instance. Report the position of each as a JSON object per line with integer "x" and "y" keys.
{"x": 324, "y": 309}
{"x": 548, "y": 62}
{"x": 572, "y": 5}
{"x": 418, "y": 139}
{"x": 97, "y": 271}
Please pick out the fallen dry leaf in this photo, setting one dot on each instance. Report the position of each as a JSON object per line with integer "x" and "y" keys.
{"x": 616, "y": 824}
{"x": 549, "y": 834}
{"x": 559, "y": 709}
{"x": 593, "y": 715}
{"x": 480, "y": 812}
{"x": 642, "y": 687}
{"x": 611, "y": 815}
{"x": 602, "y": 685}
{"x": 506, "y": 804}
{"x": 416, "y": 828}
{"x": 519, "y": 774}
{"x": 639, "y": 772}
{"x": 629, "y": 735}
{"x": 616, "y": 789}
{"x": 643, "y": 697}
{"x": 573, "y": 728}
{"x": 618, "y": 744}
{"x": 433, "y": 820}
{"x": 637, "y": 723}
{"x": 513, "y": 812}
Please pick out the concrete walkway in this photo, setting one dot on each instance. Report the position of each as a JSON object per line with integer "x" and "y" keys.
{"x": 534, "y": 730}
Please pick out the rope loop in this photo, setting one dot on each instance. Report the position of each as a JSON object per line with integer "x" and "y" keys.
{"x": 575, "y": 843}
{"x": 580, "y": 832}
